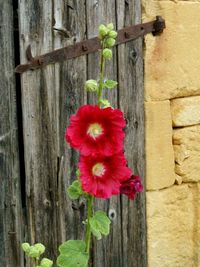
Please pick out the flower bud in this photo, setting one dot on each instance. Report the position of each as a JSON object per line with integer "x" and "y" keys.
{"x": 91, "y": 85}
{"x": 26, "y": 247}
{"x": 110, "y": 26}
{"x": 110, "y": 42}
{"x": 107, "y": 53}
{"x": 46, "y": 262}
{"x": 103, "y": 31}
{"x": 33, "y": 252}
{"x": 40, "y": 248}
{"x": 112, "y": 34}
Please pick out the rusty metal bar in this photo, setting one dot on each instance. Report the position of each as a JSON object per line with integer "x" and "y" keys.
{"x": 155, "y": 27}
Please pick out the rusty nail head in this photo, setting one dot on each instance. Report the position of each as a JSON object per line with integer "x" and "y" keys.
{"x": 159, "y": 25}
{"x": 127, "y": 35}
{"x": 40, "y": 61}
{"x": 84, "y": 47}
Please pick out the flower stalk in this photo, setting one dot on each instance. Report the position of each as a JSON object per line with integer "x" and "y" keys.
{"x": 90, "y": 200}
{"x": 102, "y": 68}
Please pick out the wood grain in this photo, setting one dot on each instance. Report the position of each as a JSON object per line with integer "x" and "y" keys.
{"x": 49, "y": 97}
{"x": 11, "y": 222}
{"x": 131, "y": 97}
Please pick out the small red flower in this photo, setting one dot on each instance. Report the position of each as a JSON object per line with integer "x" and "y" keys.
{"x": 96, "y": 131}
{"x": 102, "y": 176}
{"x": 131, "y": 186}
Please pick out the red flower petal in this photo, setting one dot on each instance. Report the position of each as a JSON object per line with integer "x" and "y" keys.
{"x": 102, "y": 176}
{"x": 131, "y": 186}
{"x": 96, "y": 131}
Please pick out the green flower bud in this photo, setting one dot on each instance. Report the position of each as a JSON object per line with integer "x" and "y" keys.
{"x": 26, "y": 247}
{"x": 112, "y": 34}
{"x": 103, "y": 31}
{"x": 46, "y": 262}
{"x": 33, "y": 252}
{"x": 110, "y": 26}
{"x": 91, "y": 85}
{"x": 110, "y": 42}
{"x": 40, "y": 248}
{"x": 107, "y": 53}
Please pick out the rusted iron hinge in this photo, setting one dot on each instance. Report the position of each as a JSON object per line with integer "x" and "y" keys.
{"x": 155, "y": 27}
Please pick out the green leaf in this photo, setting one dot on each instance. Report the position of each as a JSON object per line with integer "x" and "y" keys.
{"x": 105, "y": 103}
{"x": 100, "y": 224}
{"x": 110, "y": 84}
{"x": 46, "y": 263}
{"x": 75, "y": 190}
{"x": 40, "y": 248}
{"x": 72, "y": 254}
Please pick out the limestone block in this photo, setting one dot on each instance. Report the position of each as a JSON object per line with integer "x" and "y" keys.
{"x": 171, "y": 59}
{"x": 173, "y": 226}
{"x": 159, "y": 150}
{"x": 187, "y": 153}
{"x": 185, "y": 111}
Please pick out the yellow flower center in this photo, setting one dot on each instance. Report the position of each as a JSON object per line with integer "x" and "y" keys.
{"x": 95, "y": 130}
{"x": 98, "y": 169}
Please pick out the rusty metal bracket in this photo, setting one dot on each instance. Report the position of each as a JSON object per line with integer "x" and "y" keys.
{"x": 155, "y": 27}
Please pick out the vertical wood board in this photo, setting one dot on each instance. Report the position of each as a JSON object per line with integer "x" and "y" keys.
{"x": 11, "y": 221}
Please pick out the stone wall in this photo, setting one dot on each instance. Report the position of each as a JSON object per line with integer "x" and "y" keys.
{"x": 172, "y": 105}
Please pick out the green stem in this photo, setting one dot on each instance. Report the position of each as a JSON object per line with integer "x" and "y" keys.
{"x": 89, "y": 215}
{"x": 36, "y": 262}
{"x": 102, "y": 68}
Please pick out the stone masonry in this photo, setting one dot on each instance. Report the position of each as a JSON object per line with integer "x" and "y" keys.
{"x": 172, "y": 108}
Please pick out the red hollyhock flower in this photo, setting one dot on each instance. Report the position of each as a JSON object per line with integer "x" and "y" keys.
{"x": 96, "y": 131}
{"x": 131, "y": 186}
{"x": 102, "y": 176}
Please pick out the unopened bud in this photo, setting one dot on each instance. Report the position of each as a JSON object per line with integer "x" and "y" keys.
{"x": 46, "y": 262}
{"x": 26, "y": 247}
{"x": 112, "y": 34}
{"x": 91, "y": 85}
{"x": 40, "y": 248}
{"x": 110, "y": 42}
{"x": 110, "y": 26}
{"x": 103, "y": 31}
{"x": 107, "y": 53}
{"x": 33, "y": 252}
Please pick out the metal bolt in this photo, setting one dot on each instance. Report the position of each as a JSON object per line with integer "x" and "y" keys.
{"x": 84, "y": 48}
{"x": 127, "y": 35}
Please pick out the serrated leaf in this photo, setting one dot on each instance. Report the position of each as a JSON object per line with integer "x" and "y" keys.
{"x": 100, "y": 224}
{"x": 72, "y": 254}
{"x": 75, "y": 190}
{"x": 110, "y": 84}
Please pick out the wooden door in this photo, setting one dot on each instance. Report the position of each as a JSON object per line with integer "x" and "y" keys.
{"x": 49, "y": 97}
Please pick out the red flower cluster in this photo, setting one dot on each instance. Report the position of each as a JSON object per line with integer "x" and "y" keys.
{"x": 98, "y": 135}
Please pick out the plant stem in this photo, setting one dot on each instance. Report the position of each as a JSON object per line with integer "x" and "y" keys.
{"x": 36, "y": 262}
{"x": 89, "y": 215}
{"x": 102, "y": 68}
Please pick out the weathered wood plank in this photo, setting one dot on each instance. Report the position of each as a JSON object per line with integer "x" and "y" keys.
{"x": 11, "y": 221}
{"x": 108, "y": 251}
{"x": 40, "y": 126}
{"x": 130, "y": 74}
{"x": 72, "y": 75}
{"x": 49, "y": 97}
